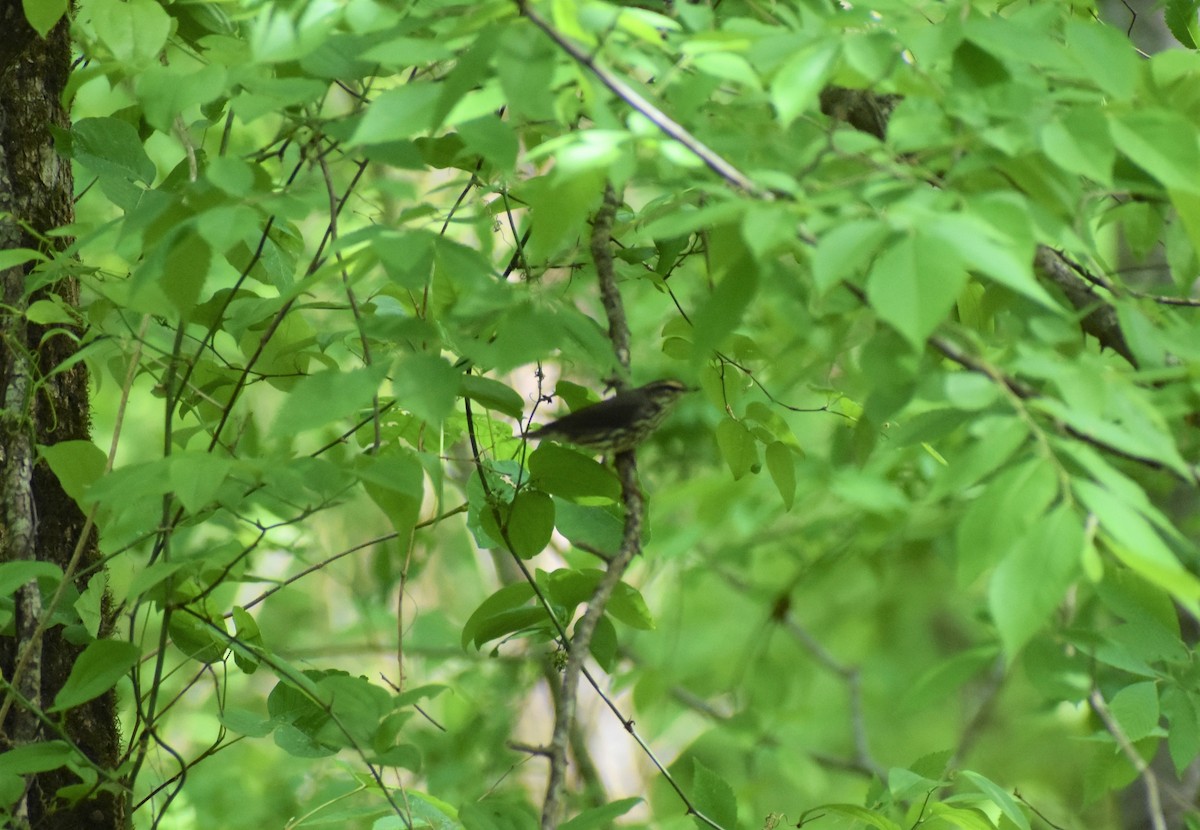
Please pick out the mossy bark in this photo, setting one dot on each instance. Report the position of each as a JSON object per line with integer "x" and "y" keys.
{"x": 42, "y": 406}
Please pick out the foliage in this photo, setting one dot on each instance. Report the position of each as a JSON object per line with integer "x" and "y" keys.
{"x": 922, "y": 548}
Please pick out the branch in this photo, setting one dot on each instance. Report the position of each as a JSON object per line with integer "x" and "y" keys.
{"x": 975, "y": 364}
{"x": 1100, "y": 321}
{"x": 852, "y": 677}
{"x": 631, "y": 540}
{"x": 638, "y": 102}
{"x": 1154, "y": 808}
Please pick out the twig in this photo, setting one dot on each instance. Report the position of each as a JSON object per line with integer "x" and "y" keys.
{"x": 968, "y": 361}
{"x": 631, "y": 540}
{"x": 610, "y": 297}
{"x": 1154, "y": 808}
{"x": 637, "y": 101}
{"x": 852, "y": 677}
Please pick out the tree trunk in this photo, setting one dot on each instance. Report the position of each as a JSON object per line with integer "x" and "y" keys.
{"x": 37, "y": 406}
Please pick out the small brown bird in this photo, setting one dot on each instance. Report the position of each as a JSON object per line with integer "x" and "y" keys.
{"x": 619, "y": 423}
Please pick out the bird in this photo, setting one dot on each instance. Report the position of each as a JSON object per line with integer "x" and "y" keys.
{"x": 617, "y": 424}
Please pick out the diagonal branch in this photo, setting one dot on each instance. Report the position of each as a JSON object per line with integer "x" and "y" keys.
{"x": 1154, "y": 807}
{"x": 971, "y": 362}
{"x": 715, "y": 162}
{"x": 1100, "y": 318}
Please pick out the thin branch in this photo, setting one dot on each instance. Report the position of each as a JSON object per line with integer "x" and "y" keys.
{"x": 1109, "y": 285}
{"x": 852, "y": 677}
{"x": 631, "y": 542}
{"x": 631, "y": 497}
{"x": 638, "y": 102}
{"x": 1021, "y": 390}
{"x": 1154, "y": 808}
{"x": 610, "y": 297}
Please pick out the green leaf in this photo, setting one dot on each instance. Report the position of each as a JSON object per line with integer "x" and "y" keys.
{"x": 426, "y": 385}
{"x": 167, "y": 91}
{"x": 497, "y": 813}
{"x": 569, "y": 587}
{"x": 1187, "y": 205}
{"x": 96, "y": 670}
{"x": 627, "y": 605}
{"x": 1079, "y": 141}
{"x": 196, "y": 477}
{"x": 407, "y": 255}
{"x": 1000, "y": 797}
{"x": 976, "y": 68}
{"x": 914, "y": 283}
{"x": 324, "y": 397}
{"x": 244, "y": 722}
{"x": 713, "y": 796}
{"x": 197, "y": 638}
{"x": 504, "y": 600}
{"x": 135, "y": 31}
{"x": 561, "y": 205}
{"x": 151, "y": 576}
{"x": 1136, "y": 709}
{"x": 1134, "y": 426}
{"x": 800, "y": 79}
{"x": 76, "y": 464}
{"x": 686, "y": 219}
{"x": 525, "y": 65}
{"x": 492, "y": 394}
{"x": 111, "y": 147}
{"x": 519, "y": 621}
{"x": 871, "y": 818}
{"x": 530, "y": 523}
{"x": 248, "y": 635}
{"x": 19, "y": 572}
{"x": 1162, "y": 143}
{"x": 33, "y": 758}
{"x": 732, "y": 264}
{"x": 943, "y": 680}
{"x": 186, "y": 271}
{"x": 737, "y": 446}
{"x": 572, "y": 475}
{"x": 602, "y": 816}
{"x": 1106, "y": 56}
{"x": 395, "y": 481}
{"x": 1002, "y": 258}
{"x": 996, "y": 521}
{"x": 1030, "y": 582}
{"x": 401, "y": 112}
{"x": 1180, "y": 17}
{"x": 966, "y": 819}
{"x": 43, "y": 14}
{"x": 357, "y": 706}
{"x": 1134, "y": 542}
{"x": 604, "y": 644}
{"x": 13, "y": 257}
{"x": 781, "y": 463}
{"x": 1183, "y": 735}
{"x": 47, "y": 312}
{"x": 845, "y": 251}
{"x": 599, "y": 528}
{"x": 996, "y": 439}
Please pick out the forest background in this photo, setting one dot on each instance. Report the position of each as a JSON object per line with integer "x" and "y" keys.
{"x": 285, "y": 282}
